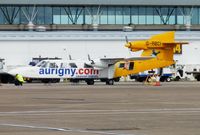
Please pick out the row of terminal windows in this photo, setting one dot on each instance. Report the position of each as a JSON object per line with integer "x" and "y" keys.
{"x": 99, "y": 15}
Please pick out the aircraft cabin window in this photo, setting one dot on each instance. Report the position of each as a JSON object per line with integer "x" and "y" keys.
{"x": 121, "y": 65}
{"x": 87, "y": 66}
{"x": 42, "y": 64}
{"x": 131, "y": 65}
{"x": 72, "y": 65}
{"x": 53, "y": 65}
{"x": 64, "y": 65}
{"x": 61, "y": 65}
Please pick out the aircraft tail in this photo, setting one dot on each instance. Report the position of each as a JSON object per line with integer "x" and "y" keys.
{"x": 161, "y": 46}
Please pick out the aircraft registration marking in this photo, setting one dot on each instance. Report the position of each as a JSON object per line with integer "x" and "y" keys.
{"x": 154, "y": 44}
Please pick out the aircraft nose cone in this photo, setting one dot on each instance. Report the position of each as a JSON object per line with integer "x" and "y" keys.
{"x": 128, "y": 45}
{"x": 13, "y": 72}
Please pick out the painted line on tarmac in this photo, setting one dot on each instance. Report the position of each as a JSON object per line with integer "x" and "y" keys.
{"x": 62, "y": 129}
{"x": 136, "y": 111}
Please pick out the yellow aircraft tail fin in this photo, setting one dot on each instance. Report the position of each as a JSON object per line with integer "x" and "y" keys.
{"x": 164, "y": 37}
{"x": 161, "y": 46}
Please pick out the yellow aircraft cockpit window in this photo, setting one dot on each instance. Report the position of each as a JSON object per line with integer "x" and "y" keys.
{"x": 121, "y": 65}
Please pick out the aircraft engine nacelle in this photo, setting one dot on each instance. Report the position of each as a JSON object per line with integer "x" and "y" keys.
{"x": 137, "y": 45}
{"x": 97, "y": 64}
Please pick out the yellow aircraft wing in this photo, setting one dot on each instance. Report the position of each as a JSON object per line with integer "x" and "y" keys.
{"x": 112, "y": 61}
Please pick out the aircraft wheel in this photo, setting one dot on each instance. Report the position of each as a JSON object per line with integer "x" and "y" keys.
{"x": 168, "y": 79}
{"x": 177, "y": 78}
{"x": 29, "y": 80}
{"x": 45, "y": 80}
{"x": 110, "y": 82}
{"x": 90, "y": 82}
{"x": 55, "y": 80}
{"x": 117, "y": 79}
{"x": 198, "y": 78}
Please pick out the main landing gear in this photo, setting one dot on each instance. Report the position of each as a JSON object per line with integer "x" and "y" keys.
{"x": 109, "y": 82}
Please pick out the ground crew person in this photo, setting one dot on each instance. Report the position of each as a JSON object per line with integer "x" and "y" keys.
{"x": 157, "y": 80}
{"x": 19, "y": 80}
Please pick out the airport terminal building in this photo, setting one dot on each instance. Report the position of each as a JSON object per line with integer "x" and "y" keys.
{"x": 107, "y": 14}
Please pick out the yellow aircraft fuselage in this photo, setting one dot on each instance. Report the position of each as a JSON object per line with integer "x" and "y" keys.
{"x": 160, "y": 46}
{"x": 139, "y": 66}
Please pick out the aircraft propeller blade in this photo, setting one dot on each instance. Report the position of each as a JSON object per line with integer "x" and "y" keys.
{"x": 126, "y": 39}
{"x": 70, "y": 57}
{"x": 89, "y": 57}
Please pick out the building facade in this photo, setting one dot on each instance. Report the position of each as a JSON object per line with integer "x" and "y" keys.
{"x": 112, "y": 14}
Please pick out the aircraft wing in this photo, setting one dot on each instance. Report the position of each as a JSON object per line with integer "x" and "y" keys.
{"x": 140, "y": 58}
{"x": 114, "y": 60}
{"x": 172, "y": 43}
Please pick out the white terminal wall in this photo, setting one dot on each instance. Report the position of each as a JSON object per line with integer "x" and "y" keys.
{"x": 21, "y": 52}
{"x": 17, "y": 51}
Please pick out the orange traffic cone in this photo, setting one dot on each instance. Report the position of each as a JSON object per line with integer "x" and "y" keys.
{"x": 157, "y": 84}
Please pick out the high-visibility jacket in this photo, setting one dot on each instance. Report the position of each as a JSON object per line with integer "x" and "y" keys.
{"x": 20, "y": 78}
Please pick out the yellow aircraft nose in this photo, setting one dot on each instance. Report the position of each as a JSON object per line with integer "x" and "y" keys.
{"x": 128, "y": 45}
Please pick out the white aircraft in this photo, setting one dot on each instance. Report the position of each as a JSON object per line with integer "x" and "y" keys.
{"x": 74, "y": 70}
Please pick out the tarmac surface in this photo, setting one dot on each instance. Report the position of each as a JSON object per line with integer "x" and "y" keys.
{"x": 127, "y": 108}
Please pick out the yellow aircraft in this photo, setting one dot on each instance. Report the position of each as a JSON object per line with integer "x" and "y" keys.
{"x": 161, "y": 46}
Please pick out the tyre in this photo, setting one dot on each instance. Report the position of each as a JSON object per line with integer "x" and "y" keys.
{"x": 168, "y": 79}
{"x": 177, "y": 78}
{"x": 28, "y": 80}
{"x": 90, "y": 82}
{"x": 55, "y": 80}
{"x": 110, "y": 82}
{"x": 74, "y": 80}
{"x": 198, "y": 78}
{"x": 45, "y": 80}
{"x": 162, "y": 79}
{"x": 117, "y": 79}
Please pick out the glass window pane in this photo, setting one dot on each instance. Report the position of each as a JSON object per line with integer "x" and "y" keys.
{"x": 142, "y": 15}
{"x": 88, "y": 15}
{"x": 64, "y": 16}
{"x": 134, "y": 15}
{"x": 149, "y": 13}
{"x": 56, "y": 15}
{"x": 157, "y": 19}
{"x": 195, "y": 16}
{"x": 119, "y": 15}
{"x": 13, "y": 12}
{"x": 1, "y": 18}
{"x": 180, "y": 17}
{"x": 40, "y": 15}
{"x": 95, "y": 13}
{"x": 199, "y": 15}
{"x": 172, "y": 17}
{"x": 80, "y": 15}
{"x": 126, "y": 13}
{"x": 48, "y": 15}
{"x": 111, "y": 15}
{"x": 26, "y": 14}
{"x": 104, "y": 16}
